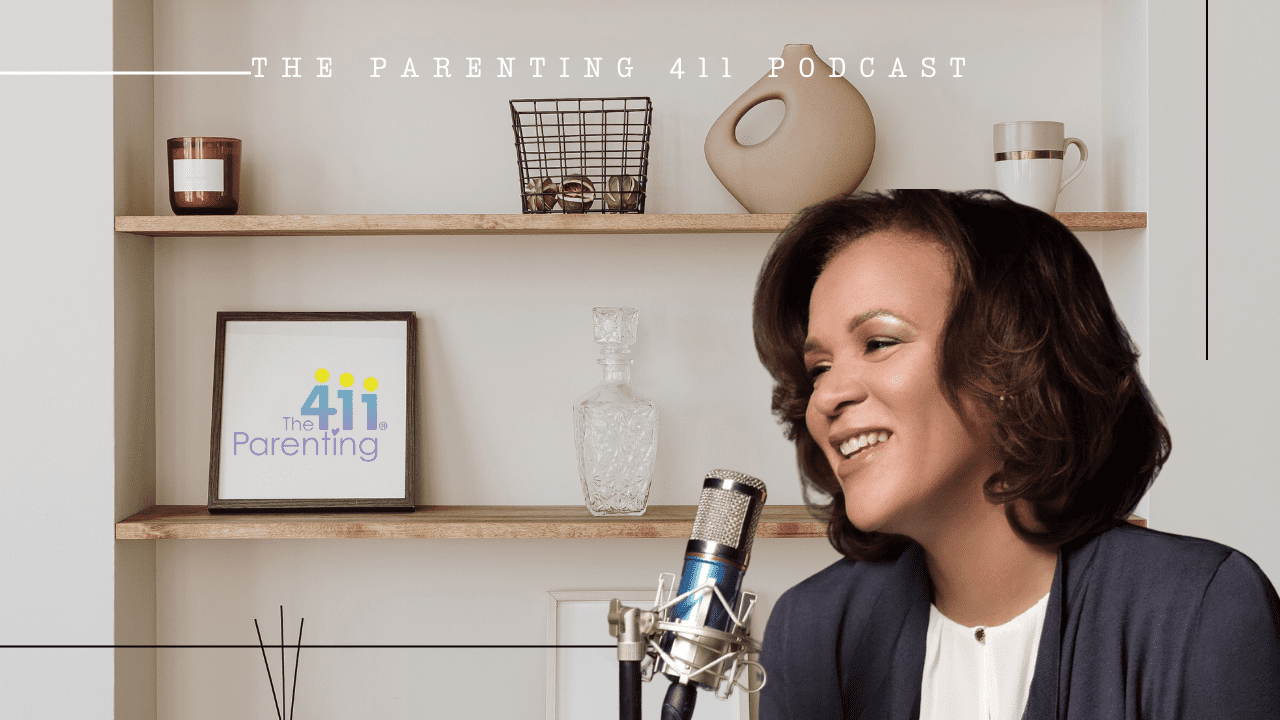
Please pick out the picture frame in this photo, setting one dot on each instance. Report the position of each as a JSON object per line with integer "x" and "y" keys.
{"x": 314, "y": 411}
{"x": 582, "y": 682}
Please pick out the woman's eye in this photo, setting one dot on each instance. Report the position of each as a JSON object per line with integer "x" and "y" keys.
{"x": 817, "y": 370}
{"x": 879, "y": 343}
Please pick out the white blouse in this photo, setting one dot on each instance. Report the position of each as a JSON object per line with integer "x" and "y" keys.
{"x": 980, "y": 673}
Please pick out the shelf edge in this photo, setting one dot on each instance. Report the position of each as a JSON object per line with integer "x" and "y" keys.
{"x": 499, "y": 224}
{"x": 194, "y": 522}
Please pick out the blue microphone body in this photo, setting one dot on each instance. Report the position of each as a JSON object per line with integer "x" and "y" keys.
{"x": 697, "y": 570}
{"x": 719, "y": 549}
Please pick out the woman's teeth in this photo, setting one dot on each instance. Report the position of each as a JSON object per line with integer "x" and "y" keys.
{"x": 851, "y": 446}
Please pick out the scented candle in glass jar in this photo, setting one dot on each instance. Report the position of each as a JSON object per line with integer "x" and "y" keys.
{"x": 204, "y": 175}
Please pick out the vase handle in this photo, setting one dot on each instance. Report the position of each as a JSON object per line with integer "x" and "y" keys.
{"x": 723, "y": 135}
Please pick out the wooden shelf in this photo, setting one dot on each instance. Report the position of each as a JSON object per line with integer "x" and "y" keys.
{"x": 547, "y": 224}
{"x": 195, "y": 522}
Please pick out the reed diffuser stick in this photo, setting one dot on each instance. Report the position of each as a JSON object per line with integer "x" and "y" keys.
{"x": 293, "y": 702}
{"x": 284, "y": 682}
{"x": 264, "y": 662}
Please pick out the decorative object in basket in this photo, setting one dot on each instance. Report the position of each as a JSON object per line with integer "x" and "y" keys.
{"x": 578, "y": 155}
{"x": 577, "y": 193}
{"x": 822, "y": 148}
{"x": 623, "y": 193}
{"x": 540, "y": 194}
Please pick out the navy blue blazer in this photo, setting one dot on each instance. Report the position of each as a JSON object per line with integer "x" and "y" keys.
{"x": 1140, "y": 624}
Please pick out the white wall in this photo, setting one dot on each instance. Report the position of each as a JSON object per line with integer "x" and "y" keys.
{"x": 56, "y": 361}
{"x": 505, "y": 321}
{"x": 1221, "y": 481}
{"x": 135, "y": 415}
{"x": 490, "y": 429}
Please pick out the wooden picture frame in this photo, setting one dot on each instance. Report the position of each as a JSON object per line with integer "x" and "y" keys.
{"x": 280, "y": 440}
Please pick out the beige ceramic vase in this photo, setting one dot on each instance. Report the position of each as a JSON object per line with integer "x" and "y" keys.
{"x": 822, "y": 148}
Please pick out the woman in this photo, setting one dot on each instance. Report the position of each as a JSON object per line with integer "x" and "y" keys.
{"x": 958, "y": 385}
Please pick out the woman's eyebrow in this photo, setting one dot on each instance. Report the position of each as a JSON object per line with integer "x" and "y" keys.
{"x": 811, "y": 344}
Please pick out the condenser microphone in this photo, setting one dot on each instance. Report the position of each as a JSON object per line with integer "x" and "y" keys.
{"x": 717, "y": 554}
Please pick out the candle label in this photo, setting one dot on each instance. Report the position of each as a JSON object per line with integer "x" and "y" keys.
{"x": 197, "y": 176}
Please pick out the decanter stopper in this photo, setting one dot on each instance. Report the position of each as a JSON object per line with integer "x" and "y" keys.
{"x": 615, "y": 428}
{"x": 616, "y": 328}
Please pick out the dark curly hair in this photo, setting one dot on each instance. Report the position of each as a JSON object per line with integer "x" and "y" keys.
{"x": 1030, "y": 322}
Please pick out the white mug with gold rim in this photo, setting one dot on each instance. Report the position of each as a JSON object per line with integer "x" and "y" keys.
{"x": 1029, "y": 161}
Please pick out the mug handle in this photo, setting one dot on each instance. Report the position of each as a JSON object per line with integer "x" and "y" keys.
{"x": 1084, "y": 157}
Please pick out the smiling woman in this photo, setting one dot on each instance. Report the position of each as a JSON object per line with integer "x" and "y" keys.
{"x": 961, "y": 392}
{"x": 876, "y": 317}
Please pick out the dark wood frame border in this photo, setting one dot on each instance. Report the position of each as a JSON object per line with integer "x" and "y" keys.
{"x": 411, "y": 416}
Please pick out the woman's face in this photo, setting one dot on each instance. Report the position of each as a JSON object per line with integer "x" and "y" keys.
{"x": 905, "y": 458}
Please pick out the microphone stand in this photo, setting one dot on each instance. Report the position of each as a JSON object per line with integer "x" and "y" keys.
{"x": 635, "y": 628}
{"x": 625, "y": 624}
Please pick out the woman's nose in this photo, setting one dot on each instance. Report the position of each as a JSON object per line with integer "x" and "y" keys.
{"x": 838, "y": 387}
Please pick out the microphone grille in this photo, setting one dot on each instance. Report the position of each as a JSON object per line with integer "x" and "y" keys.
{"x": 738, "y": 477}
{"x": 727, "y": 516}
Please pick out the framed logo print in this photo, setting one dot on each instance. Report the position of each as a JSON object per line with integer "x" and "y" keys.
{"x": 314, "y": 411}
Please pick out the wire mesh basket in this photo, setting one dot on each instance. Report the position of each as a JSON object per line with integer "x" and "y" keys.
{"x": 579, "y": 155}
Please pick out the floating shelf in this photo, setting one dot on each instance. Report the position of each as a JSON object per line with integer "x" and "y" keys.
{"x": 195, "y": 522}
{"x": 542, "y": 224}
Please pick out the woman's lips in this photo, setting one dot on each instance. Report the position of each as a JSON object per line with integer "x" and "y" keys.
{"x": 862, "y": 441}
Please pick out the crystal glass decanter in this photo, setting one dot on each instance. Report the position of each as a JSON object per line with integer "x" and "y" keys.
{"x": 616, "y": 430}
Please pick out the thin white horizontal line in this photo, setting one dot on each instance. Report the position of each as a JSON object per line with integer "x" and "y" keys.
{"x": 126, "y": 72}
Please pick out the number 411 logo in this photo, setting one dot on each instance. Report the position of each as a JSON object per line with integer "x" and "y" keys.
{"x": 317, "y": 403}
